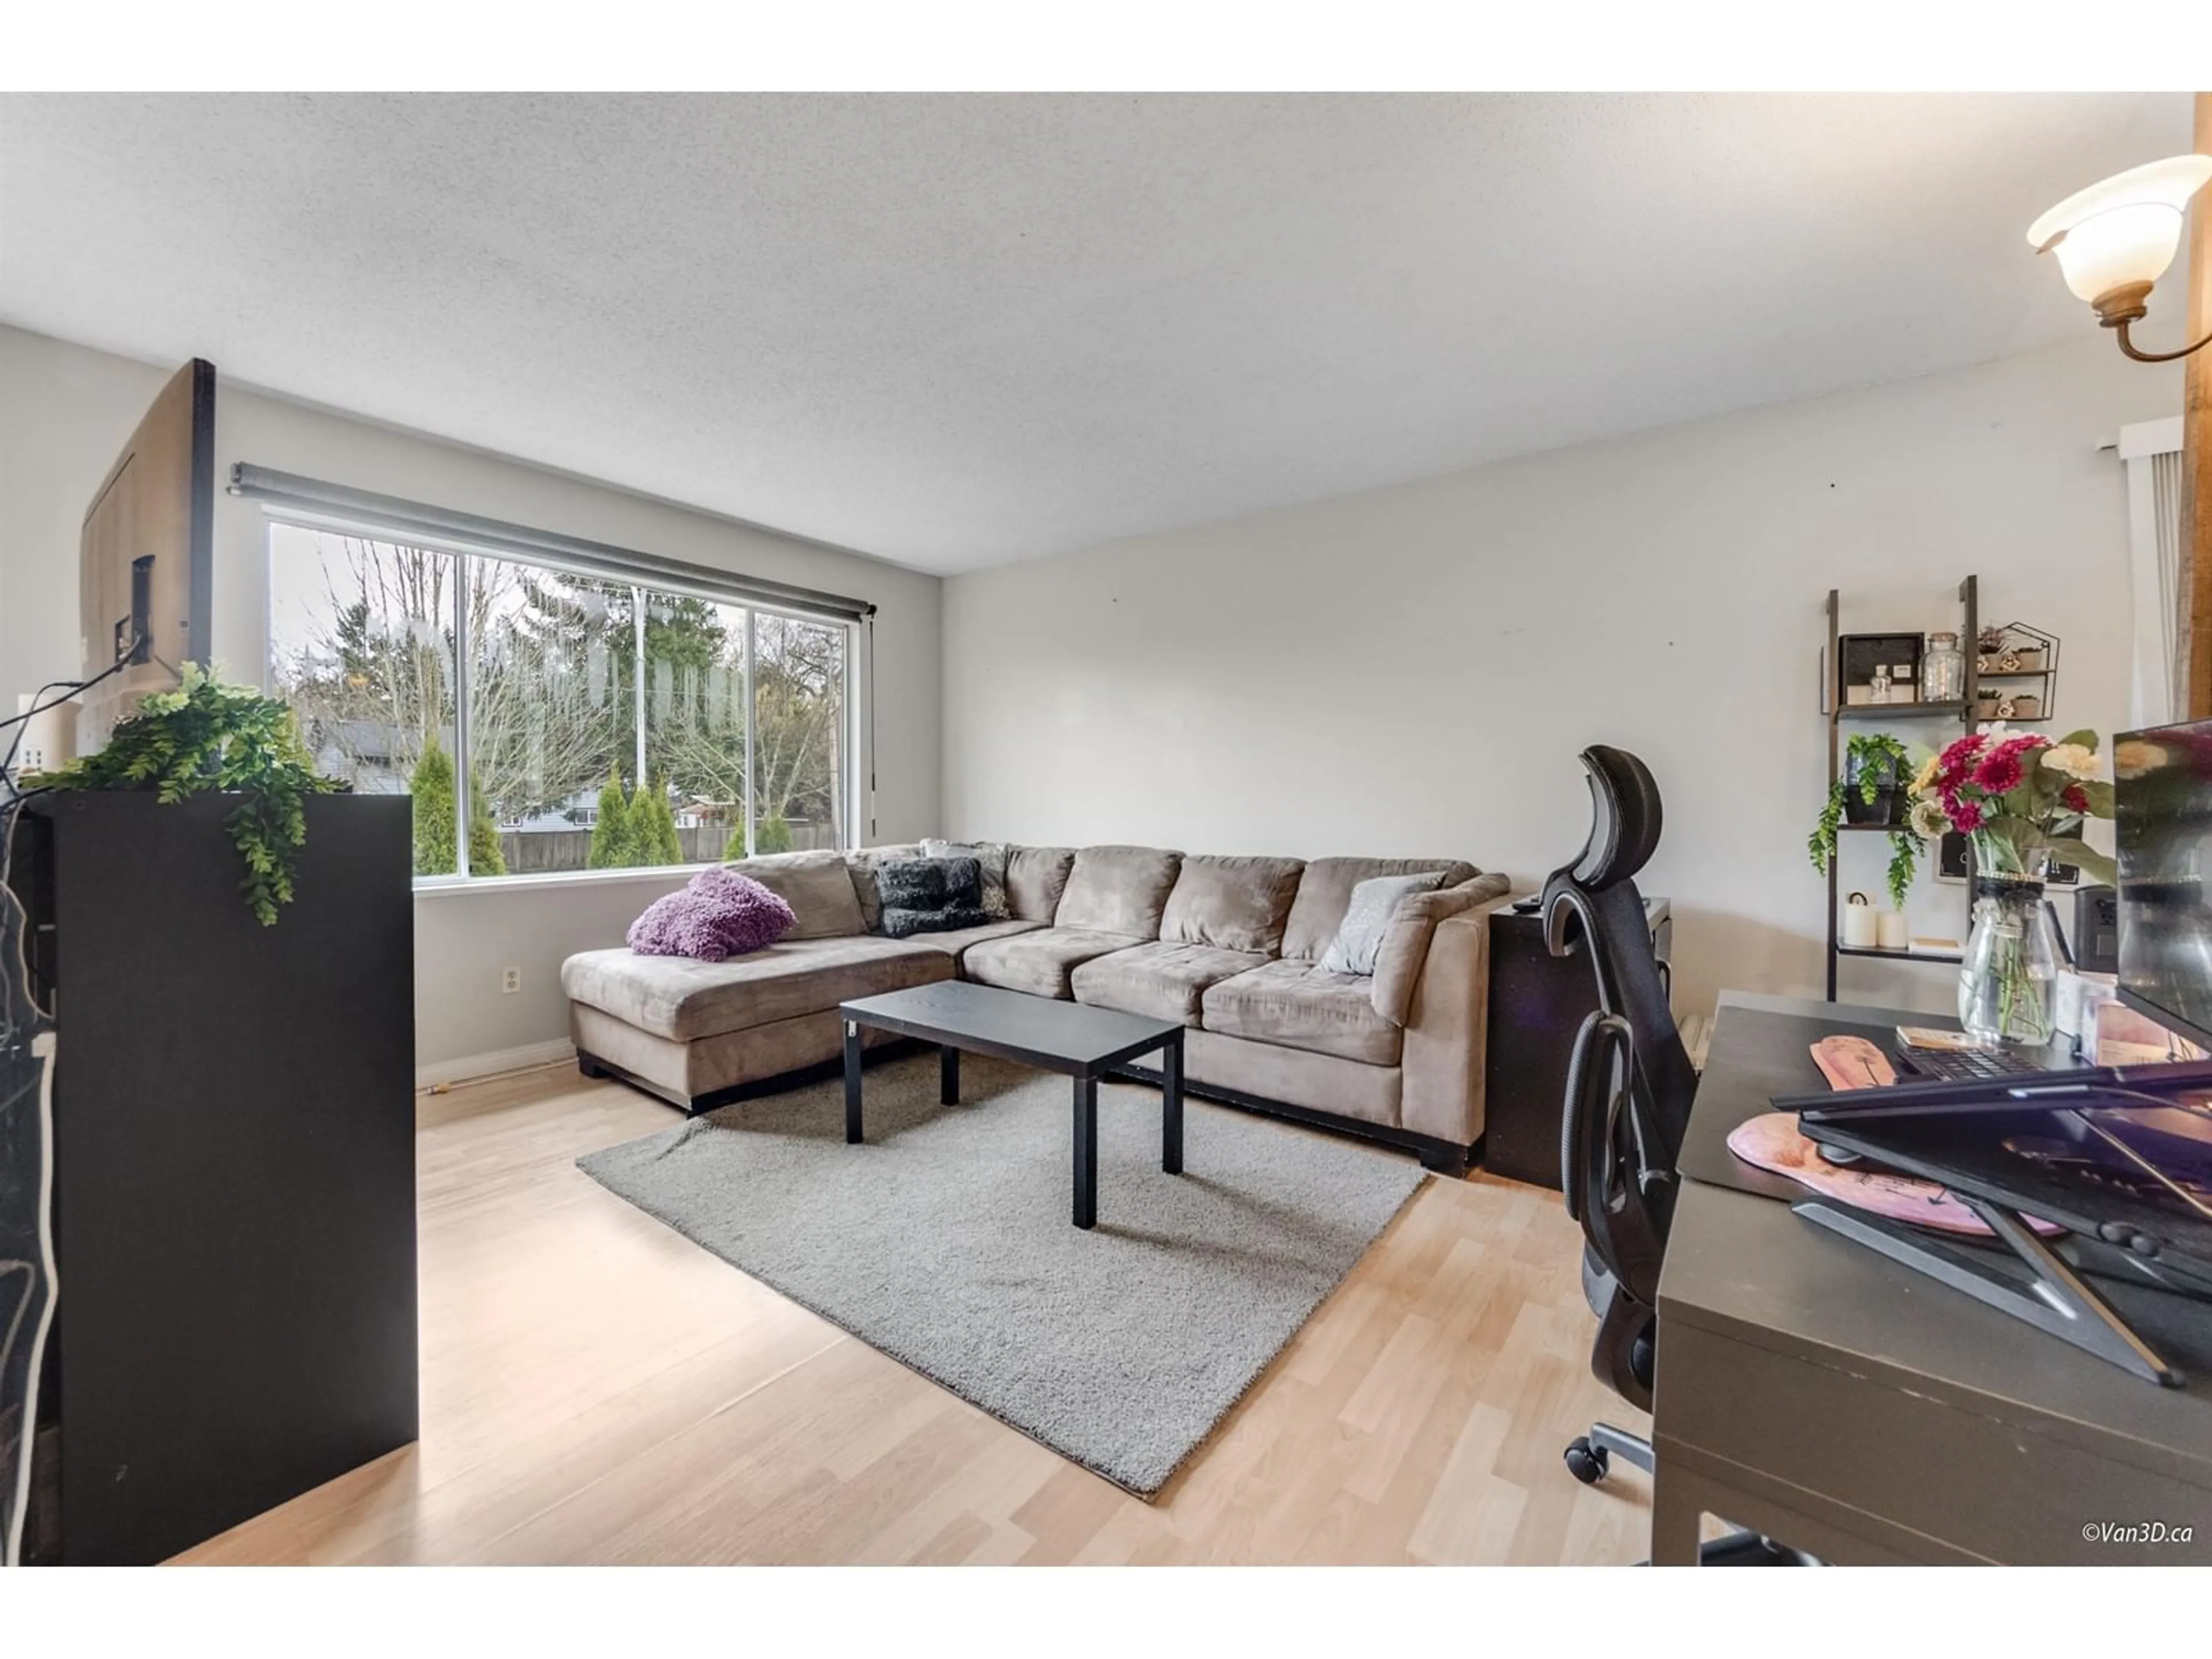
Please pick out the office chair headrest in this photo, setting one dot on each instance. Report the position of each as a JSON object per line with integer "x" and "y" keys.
{"x": 1625, "y": 818}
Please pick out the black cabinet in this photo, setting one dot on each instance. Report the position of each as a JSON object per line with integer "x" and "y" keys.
{"x": 233, "y": 1165}
{"x": 1538, "y": 1001}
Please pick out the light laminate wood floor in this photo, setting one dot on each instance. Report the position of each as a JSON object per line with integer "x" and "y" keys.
{"x": 597, "y": 1389}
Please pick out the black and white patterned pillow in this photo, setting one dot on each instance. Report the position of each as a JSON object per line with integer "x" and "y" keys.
{"x": 930, "y": 883}
{"x": 901, "y": 923}
{"x": 990, "y": 858}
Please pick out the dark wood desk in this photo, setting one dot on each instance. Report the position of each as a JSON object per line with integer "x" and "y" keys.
{"x": 1813, "y": 1391}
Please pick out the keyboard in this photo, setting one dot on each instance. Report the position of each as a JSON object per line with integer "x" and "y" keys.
{"x": 1972, "y": 1065}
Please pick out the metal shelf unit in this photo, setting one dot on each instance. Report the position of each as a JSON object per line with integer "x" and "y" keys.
{"x": 1838, "y": 711}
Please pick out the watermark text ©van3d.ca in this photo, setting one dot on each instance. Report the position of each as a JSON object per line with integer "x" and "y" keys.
{"x": 2136, "y": 1532}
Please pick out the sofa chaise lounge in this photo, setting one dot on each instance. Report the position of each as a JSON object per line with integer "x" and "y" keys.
{"x": 1230, "y": 945}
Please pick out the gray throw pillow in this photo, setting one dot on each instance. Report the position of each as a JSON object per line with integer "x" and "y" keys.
{"x": 990, "y": 858}
{"x": 1358, "y": 942}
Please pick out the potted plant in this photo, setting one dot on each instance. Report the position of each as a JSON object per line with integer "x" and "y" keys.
{"x": 1876, "y": 767}
{"x": 1871, "y": 791}
{"x": 229, "y": 739}
{"x": 2020, "y": 801}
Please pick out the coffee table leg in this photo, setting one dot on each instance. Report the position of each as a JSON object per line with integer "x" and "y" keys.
{"x": 1086, "y": 1152}
{"x": 948, "y": 1075}
{"x": 1171, "y": 1106}
{"x": 852, "y": 1083}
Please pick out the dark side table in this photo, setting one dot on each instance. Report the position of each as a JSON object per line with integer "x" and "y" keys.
{"x": 1538, "y": 1001}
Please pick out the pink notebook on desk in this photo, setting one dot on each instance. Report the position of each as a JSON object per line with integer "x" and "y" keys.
{"x": 1772, "y": 1141}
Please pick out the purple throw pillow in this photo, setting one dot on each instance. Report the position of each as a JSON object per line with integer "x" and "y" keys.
{"x": 719, "y": 914}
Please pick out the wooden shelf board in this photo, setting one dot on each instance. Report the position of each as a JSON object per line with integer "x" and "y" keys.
{"x": 1898, "y": 711}
{"x": 1953, "y": 956}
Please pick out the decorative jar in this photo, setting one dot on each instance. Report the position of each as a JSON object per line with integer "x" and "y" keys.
{"x": 1944, "y": 669}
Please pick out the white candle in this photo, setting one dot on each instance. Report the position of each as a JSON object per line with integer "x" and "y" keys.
{"x": 1891, "y": 931}
{"x": 1860, "y": 927}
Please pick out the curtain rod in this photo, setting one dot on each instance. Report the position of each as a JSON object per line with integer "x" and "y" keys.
{"x": 318, "y": 498}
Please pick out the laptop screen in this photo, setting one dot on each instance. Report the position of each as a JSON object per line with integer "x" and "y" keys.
{"x": 2162, "y": 805}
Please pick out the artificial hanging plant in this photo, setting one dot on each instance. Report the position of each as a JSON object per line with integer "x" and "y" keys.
{"x": 207, "y": 736}
{"x": 1869, "y": 759}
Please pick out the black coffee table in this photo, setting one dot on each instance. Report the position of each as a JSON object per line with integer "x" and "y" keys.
{"x": 1081, "y": 1042}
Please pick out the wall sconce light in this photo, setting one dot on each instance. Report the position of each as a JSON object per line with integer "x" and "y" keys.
{"x": 2115, "y": 239}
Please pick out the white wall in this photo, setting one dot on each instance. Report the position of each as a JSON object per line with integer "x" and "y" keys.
{"x": 1413, "y": 670}
{"x": 66, "y": 410}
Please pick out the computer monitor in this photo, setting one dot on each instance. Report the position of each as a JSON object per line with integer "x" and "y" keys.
{"x": 2163, "y": 813}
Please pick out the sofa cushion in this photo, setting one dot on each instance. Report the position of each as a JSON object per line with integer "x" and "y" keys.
{"x": 1413, "y": 928}
{"x": 862, "y": 865}
{"x": 678, "y": 998}
{"x": 1118, "y": 890}
{"x": 1039, "y": 961}
{"x": 1231, "y": 903}
{"x": 1325, "y": 892}
{"x": 1162, "y": 980}
{"x": 1299, "y": 1006}
{"x": 816, "y": 886}
{"x": 1358, "y": 939}
{"x": 1035, "y": 877}
{"x": 956, "y": 942}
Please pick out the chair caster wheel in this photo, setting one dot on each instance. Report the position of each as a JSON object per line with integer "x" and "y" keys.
{"x": 1586, "y": 1462}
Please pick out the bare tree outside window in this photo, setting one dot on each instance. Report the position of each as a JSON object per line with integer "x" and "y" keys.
{"x": 799, "y": 708}
{"x": 561, "y": 709}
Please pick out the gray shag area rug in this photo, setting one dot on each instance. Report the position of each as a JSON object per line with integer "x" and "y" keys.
{"x": 945, "y": 1242}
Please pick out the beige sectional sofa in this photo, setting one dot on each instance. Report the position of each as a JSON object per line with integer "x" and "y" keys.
{"x": 1229, "y": 946}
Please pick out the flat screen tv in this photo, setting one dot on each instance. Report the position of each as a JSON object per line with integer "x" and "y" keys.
{"x": 2163, "y": 811}
{"x": 146, "y": 557}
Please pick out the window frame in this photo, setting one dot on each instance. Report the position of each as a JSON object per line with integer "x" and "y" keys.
{"x": 465, "y": 557}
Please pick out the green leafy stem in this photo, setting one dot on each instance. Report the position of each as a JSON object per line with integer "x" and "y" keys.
{"x": 208, "y": 738}
{"x": 1874, "y": 753}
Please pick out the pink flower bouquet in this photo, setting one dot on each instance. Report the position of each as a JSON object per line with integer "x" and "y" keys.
{"x": 2022, "y": 799}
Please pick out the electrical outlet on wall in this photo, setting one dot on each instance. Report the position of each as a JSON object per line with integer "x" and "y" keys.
{"x": 510, "y": 981}
{"x": 47, "y": 738}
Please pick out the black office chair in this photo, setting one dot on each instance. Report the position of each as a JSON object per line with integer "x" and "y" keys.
{"x": 1630, "y": 1087}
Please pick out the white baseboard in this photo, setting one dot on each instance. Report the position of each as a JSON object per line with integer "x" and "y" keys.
{"x": 466, "y": 1067}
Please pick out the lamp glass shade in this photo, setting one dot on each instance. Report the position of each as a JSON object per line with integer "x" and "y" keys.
{"x": 2125, "y": 229}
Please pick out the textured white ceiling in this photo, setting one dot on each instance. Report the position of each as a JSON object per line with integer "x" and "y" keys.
{"x": 954, "y": 330}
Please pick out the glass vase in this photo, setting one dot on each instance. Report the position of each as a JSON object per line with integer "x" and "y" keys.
{"x": 2009, "y": 980}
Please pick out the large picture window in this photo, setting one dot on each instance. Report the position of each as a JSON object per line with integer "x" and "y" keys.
{"x": 547, "y": 722}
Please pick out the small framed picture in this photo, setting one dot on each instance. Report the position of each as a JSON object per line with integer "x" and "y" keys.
{"x": 1951, "y": 864}
{"x": 1951, "y": 858}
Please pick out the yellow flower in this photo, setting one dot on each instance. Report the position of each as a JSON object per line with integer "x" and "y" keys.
{"x": 1926, "y": 774}
{"x": 2073, "y": 759}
